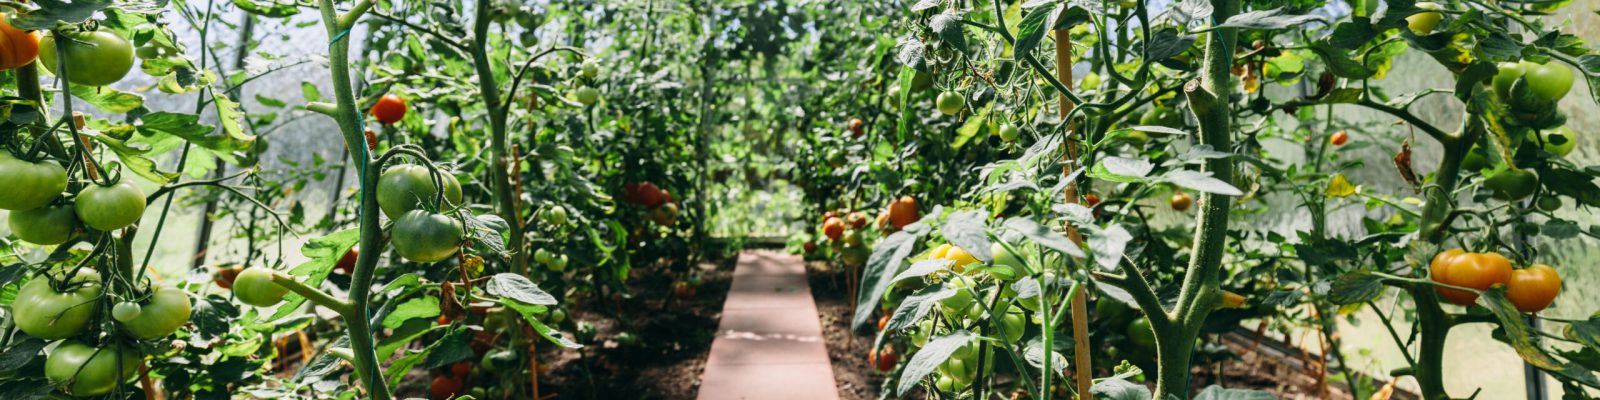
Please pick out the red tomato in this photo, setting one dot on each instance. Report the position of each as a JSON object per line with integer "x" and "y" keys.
{"x": 1339, "y": 138}
{"x": 444, "y": 387}
{"x": 347, "y": 264}
{"x": 389, "y": 109}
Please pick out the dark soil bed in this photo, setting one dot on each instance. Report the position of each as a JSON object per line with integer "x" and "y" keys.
{"x": 672, "y": 339}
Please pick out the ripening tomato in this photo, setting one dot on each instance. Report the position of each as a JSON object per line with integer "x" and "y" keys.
{"x": 665, "y": 214}
{"x": 389, "y": 109}
{"x": 1181, "y": 201}
{"x": 962, "y": 258}
{"x": 84, "y": 371}
{"x": 403, "y": 187}
{"x": 1090, "y": 200}
{"x": 95, "y": 58}
{"x": 833, "y": 228}
{"x": 426, "y": 237}
{"x": 17, "y": 47}
{"x": 167, "y": 309}
{"x": 1532, "y": 289}
{"x": 444, "y": 387}
{"x": 1339, "y": 138}
{"x": 224, "y": 276}
{"x": 48, "y": 225}
{"x": 1233, "y": 300}
{"x": 883, "y": 360}
{"x": 29, "y": 185}
{"x": 1470, "y": 270}
{"x": 347, "y": 262}
{"x": 461, "y": 369}
{"x": 903, "y": 212}
{"x": 51, "y": 310}
{"x": 883, "y": 322}
{"x": 809, "y": 247}
{"x": 254, "y": 286}
{"x": 857, "y": 220}
{"x": 857, "y": 128}
{"x": 110, "y": 207}
{"x": 1424, "y": 22}
{"x": 950, "y": 102}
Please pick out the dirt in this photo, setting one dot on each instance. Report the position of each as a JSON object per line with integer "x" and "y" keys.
{"x": 667, "y": 358}
{"x": 846, "y": 350}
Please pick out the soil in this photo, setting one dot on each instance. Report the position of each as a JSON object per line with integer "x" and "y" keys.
{"x": 674, "y": 338}
{"x": 846, "y": 350}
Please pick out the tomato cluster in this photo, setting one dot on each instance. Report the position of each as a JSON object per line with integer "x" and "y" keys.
{"x": 1530, "y": 289}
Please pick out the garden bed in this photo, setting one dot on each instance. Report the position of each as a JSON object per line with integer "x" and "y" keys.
{"x": 673, "y": 339}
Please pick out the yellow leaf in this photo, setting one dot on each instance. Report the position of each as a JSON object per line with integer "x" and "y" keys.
{"x": 1340, "y": 187}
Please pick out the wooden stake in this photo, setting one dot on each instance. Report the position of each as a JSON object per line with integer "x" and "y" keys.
{"x": 1080, "y": 301}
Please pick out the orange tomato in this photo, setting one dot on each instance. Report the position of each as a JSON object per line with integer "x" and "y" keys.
{"x": 883, "y": 360}
{"x": 1339, "y": 138}
{"x": 833, "y": 228}
{"x": 903, "y": 212}
{"x": 856, "y": 127}
{"x": 389, "y": 109}
{"x": 1090, "y": 200}
{"x": 858, "y": 220}
{"x": 1181, "y": 201}
{"x": 1532, "y": 289}
{"x": 17, "y": 47}
{"x": 1471, "y": 270}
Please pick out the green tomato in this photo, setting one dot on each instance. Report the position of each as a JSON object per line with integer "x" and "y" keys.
{"x": 950, "y": 102}
{"x": 919, "y": 337}
{"x": 1423, "y": 23}
{"x": 1507, "y": 75}
{"x": 945, "y": 384}
{"x": 958, "y": 303}
{"x": 425, "y": 237}
{"x": 29, "y": 185}
{"x": 556, "y": 215}
{"x": 43, "y": 312}
{"x": 559, "y": 263}
{"x": 1512, "y": 185}
{"x": 587, "y": 95}
{"x": 894, "y": 97}
{"x": 1142, "y": 336}
{"x": 1476, "y": 159}
{"x": 1549, "y": 203}
{"x": 109, "y": 208}
{"x": 1009, "y": 132}
{"x": 84, "y": 371}
{"x": 96, "y": 58}
{"x": 125, "y": 311}
{"x": 1113, "y": 311}
{"x": 1550, "y": 81}
{"x": 1015, "y": 323}
{"x": 254, "y": 286}
{"x": 49, "y": 225}
{"x": 543, "y": 256}
{"x": 921, "y": 81}
{"x": 590, "y": 70}
{"x": 558, "y": 315}
{"x": 167, "y": 309}
{"x": 1559, "y": 141}
{"x": 403, "y": 188}
{"x": 854, "y": 255}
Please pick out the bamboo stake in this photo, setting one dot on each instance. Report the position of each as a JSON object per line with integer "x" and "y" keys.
{"x": 1080, "y": 301}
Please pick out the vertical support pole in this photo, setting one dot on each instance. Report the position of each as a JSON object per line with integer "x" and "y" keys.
{"x": 1080, "y": 299}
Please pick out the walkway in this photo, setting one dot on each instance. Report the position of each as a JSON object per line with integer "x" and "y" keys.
{"x": 769, "y": 344}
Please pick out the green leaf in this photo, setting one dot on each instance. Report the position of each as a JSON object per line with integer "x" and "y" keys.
{"x": 887, "y": 255}
{"x": 950, "y": 31}
{"x": 516, "y": 287}
{"x": 1354, "y": 288}
{"x": 1043, "y": 236}
{"x": 1200, "y": 181}
{"x": 1166, "y": 43}
{"x": 966, "y": 229}
{"x": 1119, "y": 389}
{"x": 917, "y": 306}
{"x": 969, "y": 129}
{"x": 50, "y": 12}
{"x": 20, "y": 353}
{"x": 1350, "y": 35}
{"x": 1515, "y": 331}
{"x": 134, "y": 159}
{"x": 106, "y": 99}
{"x": 1586, "y": 332}
{"x": 1124, "y": 170}
{"x": 268, "y": 8}
{"x": 1215, "y": 392}
{"x": 451, "y": 349}
{"x": 922, "y": 268}
{"x": 924, "y": 361}
{"x": 323, "y": 252}
{"x": 1269, "y": 19}
{"x": 531, "y": 314}
{"x": 232, "y": 119}
{"x": 421, "y": 307}
{"x": 1032, "y": 29}
{"x": 1108, "y": 245}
